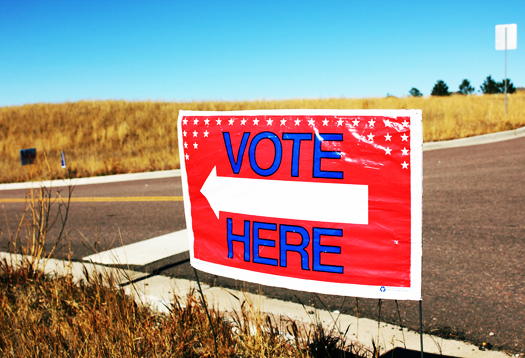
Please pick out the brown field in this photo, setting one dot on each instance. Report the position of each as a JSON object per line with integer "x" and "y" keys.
{"x": 111, "y": 137}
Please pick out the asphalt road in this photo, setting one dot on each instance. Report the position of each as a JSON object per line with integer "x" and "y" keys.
{"x": 104, "y": 225}
{"x": 473, "y": 243}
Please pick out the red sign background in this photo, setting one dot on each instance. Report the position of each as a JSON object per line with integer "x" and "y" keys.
{"x": 375, "y": 151}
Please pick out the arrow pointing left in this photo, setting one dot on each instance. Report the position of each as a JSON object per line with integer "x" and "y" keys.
{"x": 294, "y": 200}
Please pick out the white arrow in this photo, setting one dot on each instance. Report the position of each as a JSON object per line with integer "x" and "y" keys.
{"x": 324, "y": 202}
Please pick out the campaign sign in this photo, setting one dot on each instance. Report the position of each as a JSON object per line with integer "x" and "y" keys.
{"x": 328, "y": 201}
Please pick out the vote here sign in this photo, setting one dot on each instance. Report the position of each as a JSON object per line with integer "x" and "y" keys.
{"x": 328, "y": 201}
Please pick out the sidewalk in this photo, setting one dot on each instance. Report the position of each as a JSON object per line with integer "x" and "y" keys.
{"x": 157, "y": 291}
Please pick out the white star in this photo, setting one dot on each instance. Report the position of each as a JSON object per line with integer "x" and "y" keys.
{"x": 207, "y": 121}
{"x": 283, "y": 122}
{"x": 339, "y": 122}
{"x": 243, "y": 122}
{"x": 355, "y": 122}
{"x": 396, "y": 242}
{"x": 297, "y": 121}
{"x": 184, "y": 133}
{"x": 405, "y": 151}
{"x": 387, "y": 137}
{"x": 187, "y": 157}
{"x": 325, "y": 122}
{"x": 269, "y": 122}
{"x": 256, "y": 122}
{"x": 371, "y": 123}
{"x": 404, "y": 138}
{"x": 404, "y": 165}
{"x": 387, "y": 123}
{"x": 387, "y": 151}
{"x": 195, "y": 145}
{"x": 206, "y": 133}
{"x": 405, "y": 123}
{"x": 195, "y": 121}
{"x": 219, "y": 122}
{"x": 195, "y": 133}
{"x": 185, "y": 145}
{"x": 184, "y": 121}
{"x": 311, "y": 122}
{"x": 231, "y": 121}
{"x": 371, "y": 137}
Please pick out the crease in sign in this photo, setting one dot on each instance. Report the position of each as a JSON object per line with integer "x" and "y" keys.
{"x": 287, "y": 200}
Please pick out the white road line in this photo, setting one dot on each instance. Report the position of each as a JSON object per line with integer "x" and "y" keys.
{"x": 144, "y": 252}
{"x": 93, "y": 180}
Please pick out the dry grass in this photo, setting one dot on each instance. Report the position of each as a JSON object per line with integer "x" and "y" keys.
{"x": 45, "y": 316}
{"x": 60, "y": 316}
{"x": 110, "y": 137}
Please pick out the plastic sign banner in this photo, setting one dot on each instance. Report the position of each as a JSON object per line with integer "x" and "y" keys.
{"x": 327, "y": 201}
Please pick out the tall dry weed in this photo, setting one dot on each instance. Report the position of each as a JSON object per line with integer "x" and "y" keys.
{"x": 112, "y": 137}
{"x": 43, "y": 315}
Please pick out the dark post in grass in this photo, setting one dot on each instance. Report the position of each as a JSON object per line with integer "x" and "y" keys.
{"x": 27, "y": 156}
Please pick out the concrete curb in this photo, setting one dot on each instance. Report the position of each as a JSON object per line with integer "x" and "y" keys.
{"x": 480, "y": 139}
{"x": 158, "y": 291}
{"x": 93, "y": 180}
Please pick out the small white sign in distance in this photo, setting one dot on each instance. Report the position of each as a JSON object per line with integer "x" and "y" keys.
{"x": 512, "y": 36}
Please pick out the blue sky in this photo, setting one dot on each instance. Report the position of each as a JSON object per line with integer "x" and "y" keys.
{"x": 57, "y": 51}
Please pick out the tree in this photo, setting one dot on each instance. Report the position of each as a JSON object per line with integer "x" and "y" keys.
{"x": 510, "y": 86}
{"x": 465, "y": 87}
{"x": 440, "y": 89}
{"x": 490, "y": 86}
{"x": 414, "y": 92}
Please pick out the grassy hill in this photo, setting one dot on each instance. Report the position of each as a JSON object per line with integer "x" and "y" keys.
{"x": 111, "y": 137}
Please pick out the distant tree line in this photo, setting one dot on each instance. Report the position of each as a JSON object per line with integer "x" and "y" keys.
{"x": 489, "y": 86}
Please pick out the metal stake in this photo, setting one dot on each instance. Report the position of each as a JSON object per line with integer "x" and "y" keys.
{"x": 207, "y": 314}
{"x": 421, "y": 325}
{"x": 505, "y": 70}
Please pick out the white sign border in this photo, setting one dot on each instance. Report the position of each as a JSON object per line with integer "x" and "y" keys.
{"x": 342, "y": 289}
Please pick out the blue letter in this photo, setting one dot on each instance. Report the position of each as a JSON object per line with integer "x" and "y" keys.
{"x": 296, "y": 149}
{"x": 318, "y": 249}
{"x": 244, "y": 239}
{"x": 262, "y": 242}
{"x": 285, "y": 247}
{"x": 236, "y": 165}
{"x": 319, "y": 154}
{"x": 278, "y": 153}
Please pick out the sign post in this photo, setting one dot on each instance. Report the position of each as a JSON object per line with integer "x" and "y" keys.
{"x": 506, "y": 39}
{"x": 326, "y": 201}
